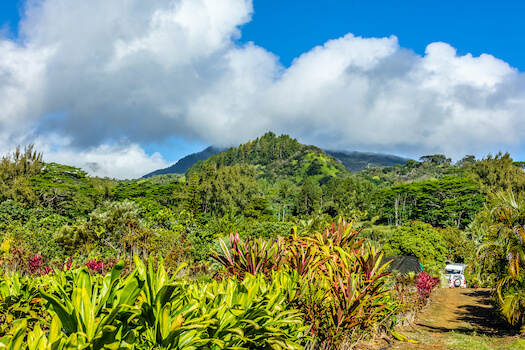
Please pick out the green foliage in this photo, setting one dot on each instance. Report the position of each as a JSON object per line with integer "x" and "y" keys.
{"x": 150, "y": 309}
{"x": 266, "y": 229}
{"x": 411, "y": 171}
{"x": 497, "y": 173}
{"x": 259, "y": 190}
{"x": 227, "y": 188}
{"x": 75, "y": 237}
{"x": 451, "y": 201}
{"x": 438, "y": 159}
{"x": 115, "y": 225}
{"x": 342, "y": 289}
{"x": 501, "y": 256}
{"x": 308, "y": 197}
{"x": 347, "y": 196}
{"x": 377, "y": 234}
{"x": 165, "y": 179}
{"x": 276, "y": 158}
{"x": 263, "y": 151}
{"x": 11, "y": 211}
{"x": 259, "y": 208}
{"x": 466, "y": 161}
{"x": 192, "y": 201}
{"x": 15, "y": 170}
{"x": 421, "y": 240}
{"x": 167, "y": 193}
{"x": 26, "y": 232}
{"x": 68, "y": 191}
{"x": 308, "y": 161}
{"x": 459, "y": 248}
{"x": 93, "y": 303}
{"x": 501, "y": 252}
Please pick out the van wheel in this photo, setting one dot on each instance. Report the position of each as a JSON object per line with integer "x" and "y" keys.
{"x": 457, "y": 282}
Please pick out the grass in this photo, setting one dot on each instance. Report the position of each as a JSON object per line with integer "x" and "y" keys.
{"x": 460, "y": 341}
{"x": 467, "y": 339}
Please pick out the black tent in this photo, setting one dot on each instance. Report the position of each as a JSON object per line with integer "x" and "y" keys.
{"x": 402, "y": 264}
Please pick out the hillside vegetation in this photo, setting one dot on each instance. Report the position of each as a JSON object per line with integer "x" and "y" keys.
{"x": 268, "y": 207}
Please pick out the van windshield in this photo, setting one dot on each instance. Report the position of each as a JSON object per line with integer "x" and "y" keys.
{"x": 453, "y": 272}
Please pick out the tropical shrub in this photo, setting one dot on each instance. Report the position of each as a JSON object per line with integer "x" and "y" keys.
{"x": 501, "y": 255}
{"x": 254, "y": 256}
{"x": 421, "y": 240}
{"x": 148, "y": 309}
{"x": 425, "y": 285}
{"x": 341, "y": 282}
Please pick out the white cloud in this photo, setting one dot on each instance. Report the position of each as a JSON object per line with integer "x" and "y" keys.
{"x": 114, "y": 161}
{"x": 88, "y": 73}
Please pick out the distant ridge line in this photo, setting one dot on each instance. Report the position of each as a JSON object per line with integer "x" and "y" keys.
{"x": 185, "y": 163}
{"x": 356, "y": 161}
{"x": 351, "y": 160}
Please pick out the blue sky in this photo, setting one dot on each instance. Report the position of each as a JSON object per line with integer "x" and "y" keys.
{"x": 145, "y": 83}
{"x": 9, "y": 16}
{"x": 289, "y": 28}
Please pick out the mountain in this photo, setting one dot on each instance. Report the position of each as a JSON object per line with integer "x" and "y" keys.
{"x": 276, "y": 158}
{"x": 275, "y": 154}
{"x": 356, "y": 161}
{"x": 185, "y": 163}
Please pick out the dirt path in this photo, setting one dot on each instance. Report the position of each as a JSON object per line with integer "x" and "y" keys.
{"x": 457, "y": 319}
{"x": 457, "y": 316}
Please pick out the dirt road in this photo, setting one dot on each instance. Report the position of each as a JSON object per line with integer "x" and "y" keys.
{"x": 458, "y": 319}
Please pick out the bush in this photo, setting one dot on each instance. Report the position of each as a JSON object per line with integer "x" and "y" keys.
{"x": 425, "y": 286}
{"x": 421, "y": 240}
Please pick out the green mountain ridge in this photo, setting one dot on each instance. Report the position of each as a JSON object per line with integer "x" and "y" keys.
{"x": 276, "y": 158}
{"x": 351, "y": 160}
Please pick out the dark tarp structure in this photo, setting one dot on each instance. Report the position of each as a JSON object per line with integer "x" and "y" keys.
{"x": 402, "y": 264}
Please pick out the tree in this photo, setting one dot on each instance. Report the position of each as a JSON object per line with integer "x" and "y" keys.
{"x": 224, "y": 189}
{"x": 438, "y": 159}
{"x": 308, "y": 197}
{"x": 69, "y": 191}
{"x": 421, "y": 240}
{"x": 501, "y": 257}
{"x": 284, "y": 194}
{"x": 115, "y": 225}
{"x": 192, "y": 202}
{"x": 497, "y": 173}
{"x": 258, "y": 208}
{"x": 459, "y": 248}
{"x": 467, "y": 160}
{"x": 347, "y": 196}
{"x": 314, "y": 168}
{"x": 451, "y": 201}
{"x": 15, "y": 169}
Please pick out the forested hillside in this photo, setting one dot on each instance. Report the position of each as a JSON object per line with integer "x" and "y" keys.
{"x": 52, "y": 215}
{"x": 353, "y": 161}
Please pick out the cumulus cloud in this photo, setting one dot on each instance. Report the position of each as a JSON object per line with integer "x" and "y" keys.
{"x": 95, "y": 81}
{"x": 119, "y": 161}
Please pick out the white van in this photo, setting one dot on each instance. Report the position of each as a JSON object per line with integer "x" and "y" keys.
{"x": 455, "y": 274}
{"x": 455, "y": 269}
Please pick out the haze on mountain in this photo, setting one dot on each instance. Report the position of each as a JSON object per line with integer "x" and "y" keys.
{"x": 122, "y": 88}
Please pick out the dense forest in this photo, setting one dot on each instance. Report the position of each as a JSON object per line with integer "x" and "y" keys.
{"x": 266, "y": 195}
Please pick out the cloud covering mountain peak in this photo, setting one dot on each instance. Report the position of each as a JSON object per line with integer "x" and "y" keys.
{"x": 95, "y": 82}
